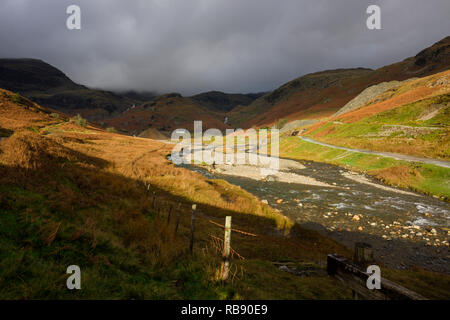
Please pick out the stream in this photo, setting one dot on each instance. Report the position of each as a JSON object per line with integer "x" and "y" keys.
{"x": 405, "y": 229}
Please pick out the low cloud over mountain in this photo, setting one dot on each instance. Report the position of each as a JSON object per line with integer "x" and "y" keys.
{"x": 231, "y": 46}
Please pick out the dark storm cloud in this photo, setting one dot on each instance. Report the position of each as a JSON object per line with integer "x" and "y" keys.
{"x": 230, "y": 45}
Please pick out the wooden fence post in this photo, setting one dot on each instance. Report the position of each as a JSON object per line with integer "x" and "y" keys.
{"x": 363, "y": 254}
{"x": 178, "y": 217}
{"x": 191, "y": 243}
{"x": 363, "y": 257}
{"x": 226, "y": 249}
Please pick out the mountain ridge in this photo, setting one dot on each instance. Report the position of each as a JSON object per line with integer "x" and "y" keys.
{"x": 293, "y": 102}
{"x": 311, "y": 96}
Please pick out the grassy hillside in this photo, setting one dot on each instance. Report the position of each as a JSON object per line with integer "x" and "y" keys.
{"x": 311, "y": 96}
{"x": 413, "y": 118}
{"x": 224, "y": 102}
{"x": 74, "y": 194}
{"x": 51, "y": 88}
{"x": 167, "y": 113}
{"x": 321, "y": 94}
{"x": 172, "y": 111}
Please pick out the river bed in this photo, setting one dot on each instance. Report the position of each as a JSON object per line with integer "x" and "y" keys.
{"x": 405, "y": 229}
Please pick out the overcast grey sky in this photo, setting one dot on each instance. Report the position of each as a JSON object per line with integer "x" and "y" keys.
{"x": 190, "y": 46}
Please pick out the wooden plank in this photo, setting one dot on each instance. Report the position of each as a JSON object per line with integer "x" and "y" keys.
{"x": 363, "y": 257}
{"x": 356, "y": 278}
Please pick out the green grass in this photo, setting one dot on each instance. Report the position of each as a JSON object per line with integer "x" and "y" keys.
{"x": 436, "y": 285}
{"x": 404, "y": 115}
{"x": 79, "y": 120}
{"x": 78, "y": 211}
{"x": 31, "y": 267}
{"x": 370, "y": 132}
{"x": 79, "y": 214}
{"x": 408, "y": 114}
{"x": 431, "y": 180}
{"x": 262, "y": 281}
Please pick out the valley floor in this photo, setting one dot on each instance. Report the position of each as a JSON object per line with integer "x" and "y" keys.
{"x": 405, "y": 229}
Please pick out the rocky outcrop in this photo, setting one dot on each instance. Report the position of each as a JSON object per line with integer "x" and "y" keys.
{"x": 367, "y": 95}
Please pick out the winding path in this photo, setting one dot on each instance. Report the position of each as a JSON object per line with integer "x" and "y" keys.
{"x": 397, "y": 156}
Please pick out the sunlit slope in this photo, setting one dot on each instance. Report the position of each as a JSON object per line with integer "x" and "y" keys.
{"x": 74, "y": 194}
{"x": 412, "y": 118}
{"x": 321, "y": 94}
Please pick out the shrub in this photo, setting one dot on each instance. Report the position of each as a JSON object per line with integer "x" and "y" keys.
{"x": 79, "y": 120}
{"x": 280, "y": 124}
{"x": 17, "y": 98}
{"x": 54, "y": 115}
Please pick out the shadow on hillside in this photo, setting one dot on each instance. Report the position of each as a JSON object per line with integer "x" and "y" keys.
{"x": 71, "y": 183}
{"x": 71, "y": 189}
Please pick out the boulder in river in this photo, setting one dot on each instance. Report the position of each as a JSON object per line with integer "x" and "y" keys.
{"x": 271, "y": 178}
